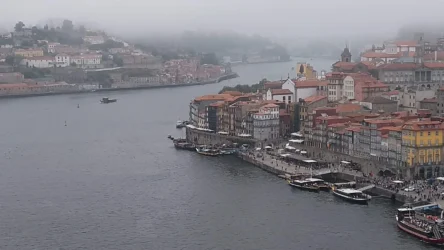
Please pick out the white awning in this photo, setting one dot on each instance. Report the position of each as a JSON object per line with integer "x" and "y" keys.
{"x": 222, "y": 133}
{"x": 345, "y": 162}
{"x": 258, "y": 149}
{"x": 440, "y": 178}
{"x": 399, "y": 182}
{"x": 297, "y": 134}
{"x": 303, "y": 152}
{"x": 309, "y": 161}
{"x": 268, "y": 147}
{"x": 297, "y": 141}
{"x": 290, "y": 147}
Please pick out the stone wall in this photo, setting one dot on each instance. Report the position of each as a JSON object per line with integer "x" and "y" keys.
{"x": 206, "y": 138}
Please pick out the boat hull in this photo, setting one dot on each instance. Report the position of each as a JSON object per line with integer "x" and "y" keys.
{"x": 324, "y": 188}
{"x": 109, "y": 101}
{"x": 420, "y": 235}
{"x": 351, "y": 200}
{"x": 305, "y": 188}
{"x": 183, "y": 147}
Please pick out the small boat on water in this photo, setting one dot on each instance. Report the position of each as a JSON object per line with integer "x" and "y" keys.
{"x": 185, "y": 146}
{"x": 320, "y": 183}
{"x": 352, "y": 195}
{"x": 181, "y": 124}
{"x": 207, "y": 151}
{"x": 227, "y": 151}
{"x": 303, "y": 185}
{"x": 428, "y": 228}
{"x": 107, "y": 100}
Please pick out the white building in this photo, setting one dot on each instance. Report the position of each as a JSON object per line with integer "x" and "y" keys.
{"x": 87, "y": 60}
{"x": 303, "y": 89}
{"x": 404, "y": 46}
{"x": 94, "y": 39}
{"x": 62, "y": 60}
{"x": 51, "y": 47}
{"x": 349, "y": 88}
{"x": 281, "y": 95}
{"x": 411, "y": 97}
{"x": 38, "y": 62}
{"x": 266, "y": 123}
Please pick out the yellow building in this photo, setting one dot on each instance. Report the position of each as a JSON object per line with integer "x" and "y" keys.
{"x": 305, "y": 70}
{"x": 422, "y": 143}
{"x": 29, "y": 52}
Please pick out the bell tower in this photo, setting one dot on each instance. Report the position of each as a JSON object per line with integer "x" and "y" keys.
{"x": 346, "y": 55}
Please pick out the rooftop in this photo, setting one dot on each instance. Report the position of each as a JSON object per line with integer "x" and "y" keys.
{"x": 314, "y": 98}
{"x": 348, "y": 107}
{"x": 281, "y": 92}
{"x": 378, "y": 100}
{"x": 309, "y": 83}
{"x": 430, "y": 100}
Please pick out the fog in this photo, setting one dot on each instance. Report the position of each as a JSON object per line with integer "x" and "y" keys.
{"x": 278, "y": 18}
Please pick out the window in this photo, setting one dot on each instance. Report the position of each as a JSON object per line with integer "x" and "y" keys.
{"x": 428, "y": 133}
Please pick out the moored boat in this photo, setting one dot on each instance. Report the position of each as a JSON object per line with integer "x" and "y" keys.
{"x": 180, "y": 124}
{"x": 352, "y": 195}
{"x": 427, "y": 228}
{"x": 185, "y": 146}
{"x": 107, "y": 100}
{"x": 303, "y": 185}
{"x": 207, "y": 151}
{"x": 320, "y": 183}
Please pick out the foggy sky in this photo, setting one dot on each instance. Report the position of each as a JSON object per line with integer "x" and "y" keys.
{"x": 280, "y": 18}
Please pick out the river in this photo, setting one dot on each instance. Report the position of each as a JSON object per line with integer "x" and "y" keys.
{"x": 110, "y": 179}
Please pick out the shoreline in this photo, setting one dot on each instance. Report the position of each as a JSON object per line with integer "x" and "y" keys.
{"x": 220, "y": 79}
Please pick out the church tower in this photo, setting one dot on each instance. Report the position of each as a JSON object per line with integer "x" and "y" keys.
{"x": 346, "y": 56}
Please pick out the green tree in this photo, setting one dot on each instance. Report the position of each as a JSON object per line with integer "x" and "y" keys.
{"x": 13, "y": 60}
{"x": 19, "y": 26}
{"x": 118, "y": 61}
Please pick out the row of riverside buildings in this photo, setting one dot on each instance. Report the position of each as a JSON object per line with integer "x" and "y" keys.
{"x": 346, "y": 112}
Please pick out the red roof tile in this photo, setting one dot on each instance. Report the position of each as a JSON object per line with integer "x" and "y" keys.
{"x": 434, "y": 65}
{"x": 398, "y": 66}
{"x": 349, "y": 107}
{"x": 314, "y": 98}
{"x": 406, "y": 43}
{"x": 281, "y": 92}
{"x": 310, "y": 83}
{"x": 344, "y": 65}
{"x": 430, "y": 100}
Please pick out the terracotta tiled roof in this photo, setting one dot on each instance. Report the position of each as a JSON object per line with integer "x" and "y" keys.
{"x": 430, "y": 100}
{"x": 344, "y": 65}
{"x": 281, "y": 92}
{"x": 212, "y": 97}
{"x": 423, "y": 125}
{"x": 314, "y": 98}
{"x": 310, "y": 83}
{"x": 273, "y": 85}
{"x": 270, "y": 105}
{"x": 348, "y": 107}
{"x": 406, "y": 43}
{"x": 398, "y": 66}
{"x": 371, "y": 54}
{"x": 217, "y": 104}
{"x": 384, "y": 121}
{"x": 393, "y": 92}
{"x": 434, "y": 65}
{"x": 232, "y": 93}
{"x": 354, "y": 129}
{"x": 370, "y": 65}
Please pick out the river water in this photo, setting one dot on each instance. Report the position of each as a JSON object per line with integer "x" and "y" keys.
{"x": 110, "y": 179}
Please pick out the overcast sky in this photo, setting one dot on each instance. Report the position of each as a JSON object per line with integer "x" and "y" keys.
{"x": 272, "y": 18}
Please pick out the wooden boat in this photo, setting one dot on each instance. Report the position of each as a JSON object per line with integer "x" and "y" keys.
{"x": 429, "y": 229}
{"x": 207, "y": 152}
{"x": 320, "y": 183}
{"x": 107, "y": 100}
{"x": 303, "y": 185}
{"x": 185, "y": 146}
{"x": 352, "y": 195}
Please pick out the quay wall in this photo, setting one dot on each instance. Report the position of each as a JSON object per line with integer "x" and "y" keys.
{"x": 260, "y": 164}
{"x": 205, "y": 138}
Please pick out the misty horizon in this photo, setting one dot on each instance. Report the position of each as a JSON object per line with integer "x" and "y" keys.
{"x": 282, "y": 19}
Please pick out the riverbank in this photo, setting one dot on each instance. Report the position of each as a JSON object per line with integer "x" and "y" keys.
{"x": 220, "y": 79}
{"x": 276, "y": 166}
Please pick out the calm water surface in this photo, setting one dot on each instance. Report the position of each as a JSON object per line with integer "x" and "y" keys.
{"x": 111, "y": 180}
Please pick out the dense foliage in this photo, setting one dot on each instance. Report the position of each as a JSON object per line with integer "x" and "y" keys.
{"x": 244, "y": 88}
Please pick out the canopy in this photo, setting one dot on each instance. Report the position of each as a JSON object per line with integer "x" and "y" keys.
{"x": 345, "y": 162}
{"x": 296, "y": 134}
{"x": 310, "y": 161}
{"x": 268, "y": 147}
{"x": 290, "y": 147}
{"x": 297, "y": 141}
{"x": 303, "y": 152}
{"x": 285, "y": 155}
{"x": 399, "y": 182}
{"x": 244, "y": 135}
{"x": 440, "y": 178}
{"x": 258, "y": 149}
